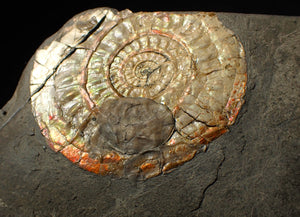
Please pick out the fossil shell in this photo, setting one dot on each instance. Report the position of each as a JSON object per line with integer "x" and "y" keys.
{"x": 137, "y": 94}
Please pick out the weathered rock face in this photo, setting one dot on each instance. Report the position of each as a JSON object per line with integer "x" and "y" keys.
{"x": 250, "y": 171}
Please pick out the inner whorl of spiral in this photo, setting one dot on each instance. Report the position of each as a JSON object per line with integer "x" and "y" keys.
{"x": 151, "y": 64}
{"x": 132, "y": 125}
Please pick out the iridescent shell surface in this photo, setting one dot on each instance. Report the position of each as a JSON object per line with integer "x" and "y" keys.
{"x": 137, "y": 94}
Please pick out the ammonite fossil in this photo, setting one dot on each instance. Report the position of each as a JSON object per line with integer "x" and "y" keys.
{"x": 137, "y": 94}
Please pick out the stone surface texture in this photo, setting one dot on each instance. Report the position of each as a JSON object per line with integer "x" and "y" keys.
{"x": 253, "y": 170}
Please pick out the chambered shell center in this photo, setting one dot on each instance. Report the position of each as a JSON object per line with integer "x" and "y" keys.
{"x": 148, "y": 65}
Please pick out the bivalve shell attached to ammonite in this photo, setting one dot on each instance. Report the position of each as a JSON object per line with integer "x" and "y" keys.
{"x": 137, "y": 94}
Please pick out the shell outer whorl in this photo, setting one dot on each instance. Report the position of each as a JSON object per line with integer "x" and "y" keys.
{"x": 137, "y": 94}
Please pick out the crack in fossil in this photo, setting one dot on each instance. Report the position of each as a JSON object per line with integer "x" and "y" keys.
{"x": 195, "y": 119}
{"x": 38, "y": 89}
{"x": 210, "y": 184}
{"x": 97, "y": 26}
{"x": 215, "y": 70}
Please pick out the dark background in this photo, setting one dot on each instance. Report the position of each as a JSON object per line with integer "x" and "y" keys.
{"x": 26, "y": 25}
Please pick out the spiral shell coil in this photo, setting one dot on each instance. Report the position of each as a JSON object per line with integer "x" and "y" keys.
{"x": 137, "y": 94}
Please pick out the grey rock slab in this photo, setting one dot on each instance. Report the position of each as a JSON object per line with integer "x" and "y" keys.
{"x": 253, "y": 170}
